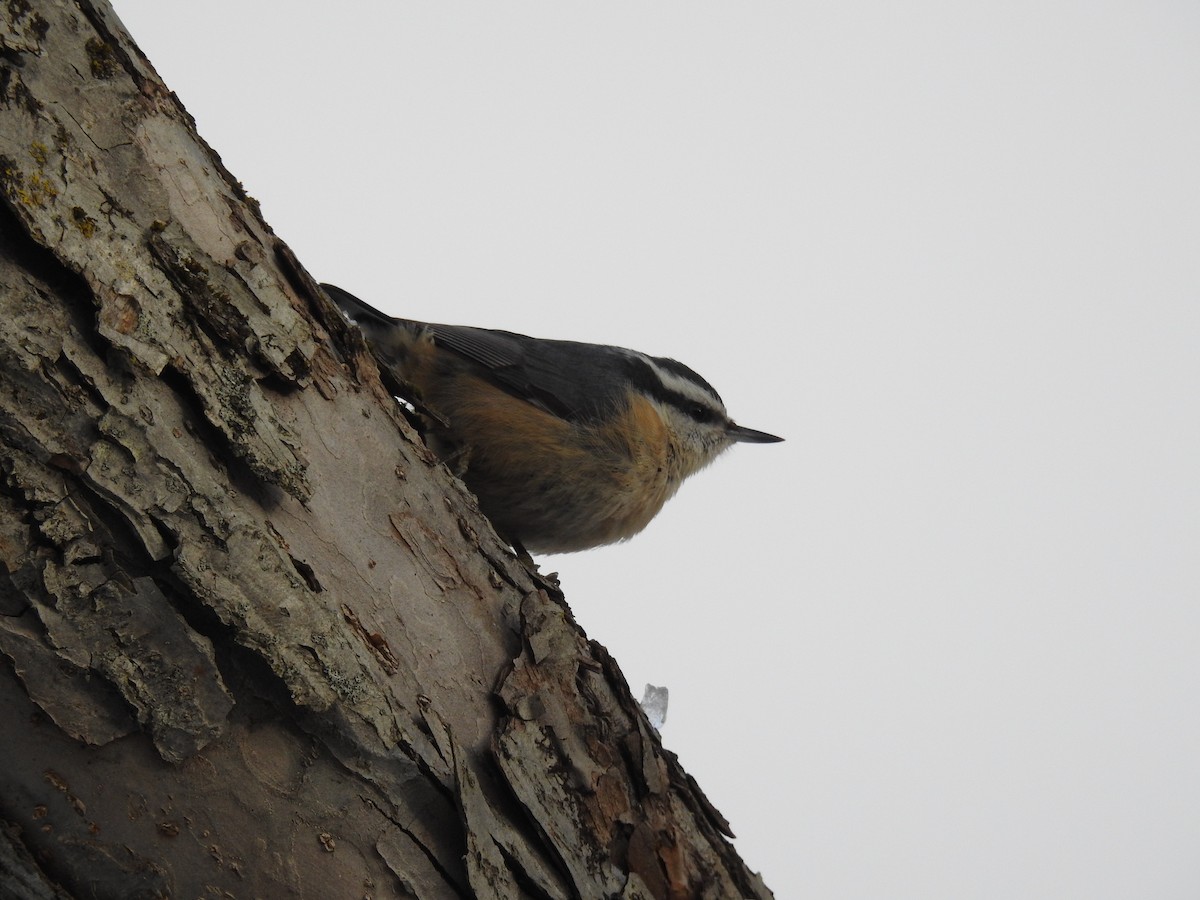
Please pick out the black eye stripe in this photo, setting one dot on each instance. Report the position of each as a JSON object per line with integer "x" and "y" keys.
{"x": 689, "y": 406}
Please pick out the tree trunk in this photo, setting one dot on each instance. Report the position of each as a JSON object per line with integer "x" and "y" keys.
{"x": 257, "y": 642}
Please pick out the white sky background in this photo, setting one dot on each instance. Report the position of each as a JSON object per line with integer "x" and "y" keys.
{"x": 945, "y": 641}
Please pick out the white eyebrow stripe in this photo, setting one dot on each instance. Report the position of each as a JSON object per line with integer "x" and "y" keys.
{"x": 676, "y": 383}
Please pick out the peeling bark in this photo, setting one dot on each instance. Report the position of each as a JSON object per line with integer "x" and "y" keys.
{"x": 256, "y": 641}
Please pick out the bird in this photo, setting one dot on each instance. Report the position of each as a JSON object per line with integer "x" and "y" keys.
{"x": 566, "y": 445}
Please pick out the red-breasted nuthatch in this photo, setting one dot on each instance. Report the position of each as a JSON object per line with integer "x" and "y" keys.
{"x": 566, "y": 445}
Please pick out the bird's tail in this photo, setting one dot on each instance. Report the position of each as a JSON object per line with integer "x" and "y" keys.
{"x": 358, "y": 310}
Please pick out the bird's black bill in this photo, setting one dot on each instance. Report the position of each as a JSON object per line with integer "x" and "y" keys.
{"x": 750, "y": 436}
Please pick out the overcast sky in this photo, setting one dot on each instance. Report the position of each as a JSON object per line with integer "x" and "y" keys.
{"x": 944, "y": 642}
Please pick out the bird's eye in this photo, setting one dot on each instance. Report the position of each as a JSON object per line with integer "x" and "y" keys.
{"x": 700, "y": 413}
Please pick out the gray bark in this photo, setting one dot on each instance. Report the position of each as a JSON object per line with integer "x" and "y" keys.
{"x": 257, "y": 642}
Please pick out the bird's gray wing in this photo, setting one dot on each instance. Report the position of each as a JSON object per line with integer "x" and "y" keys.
{"x": 571, "y": 380}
